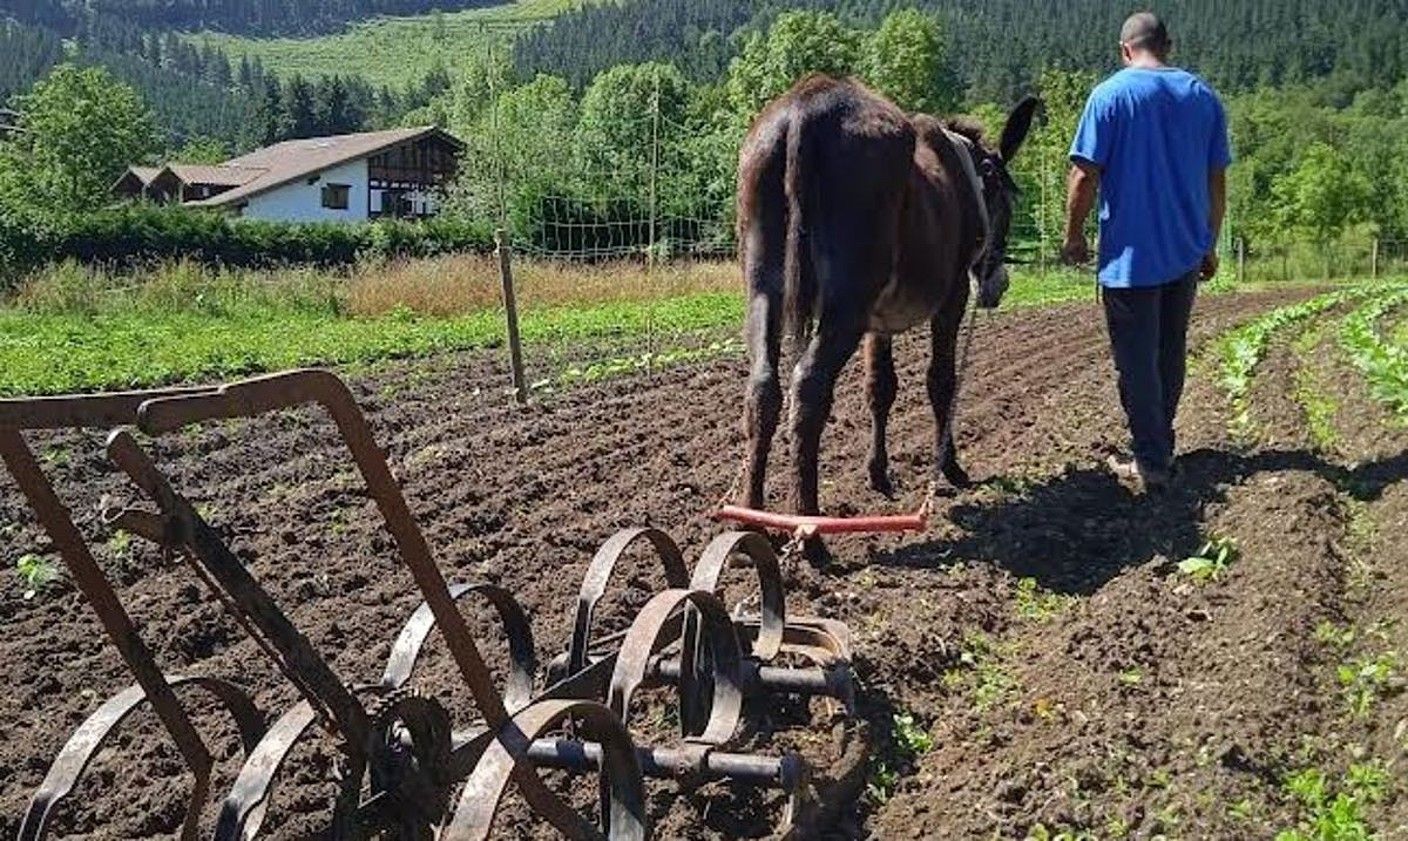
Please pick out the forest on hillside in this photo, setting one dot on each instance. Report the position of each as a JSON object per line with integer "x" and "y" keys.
{"x": 243, "y": 17}
{"x": 1001, "y": 46}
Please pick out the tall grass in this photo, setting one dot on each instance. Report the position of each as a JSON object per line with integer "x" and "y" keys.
{"x": 437, "y": 287}
{"x": 447, "y": 286}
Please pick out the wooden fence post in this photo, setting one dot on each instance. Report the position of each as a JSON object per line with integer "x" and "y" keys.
{"x": 515, "y": 347}
{"x": 1241, "y": 260}
{"x": 1374, "y": 261}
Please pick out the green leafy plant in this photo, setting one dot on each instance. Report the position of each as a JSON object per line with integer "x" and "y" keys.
{"x": 908, "y": 741}
{"x": 1382, "y": 361}
{"x": 1239, "y": 351}
{"x": 1334, "y": 815}
{"x": 36, "y": 572}
{"x": 1365, "y": 679}
{"x": 910, "y": 738}
{"x": 1212, "y": 560}
{"x": 1037, "y": 604}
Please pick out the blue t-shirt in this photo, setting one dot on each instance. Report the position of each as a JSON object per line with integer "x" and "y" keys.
{"x": 1155, "y": 134}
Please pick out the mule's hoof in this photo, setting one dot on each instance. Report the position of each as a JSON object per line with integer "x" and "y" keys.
{"x": 957, "y": 477}
{"x": 881, "y": 484}
{"x": 816, "y": 553}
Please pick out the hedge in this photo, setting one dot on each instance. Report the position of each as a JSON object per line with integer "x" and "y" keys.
{"x": 136, "y": 234}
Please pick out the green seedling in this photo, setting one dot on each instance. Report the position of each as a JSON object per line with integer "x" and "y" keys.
{"x": 1365, "y": 679}
{"x": 1038, "y": 604}
{"x": 1212, "y": 560}
{"x": 1338, "y": 815}
{"x": 36, "y": 573}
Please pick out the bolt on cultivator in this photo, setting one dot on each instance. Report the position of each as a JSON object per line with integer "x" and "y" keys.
{"x": 405, "y": 770}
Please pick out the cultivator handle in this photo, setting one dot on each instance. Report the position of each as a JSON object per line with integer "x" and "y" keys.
{"x": 94, "y": 411}
{"x": 246, "y": 399}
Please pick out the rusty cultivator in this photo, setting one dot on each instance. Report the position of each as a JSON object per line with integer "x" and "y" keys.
{"x": 405, "y": 770}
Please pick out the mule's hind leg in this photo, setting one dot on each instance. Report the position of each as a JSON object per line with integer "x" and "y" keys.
{"x": 762, "y": 404}
{"x": 943, "y": 379}
{"x": 881, "y": 385}
{"x": 813, "y": 387}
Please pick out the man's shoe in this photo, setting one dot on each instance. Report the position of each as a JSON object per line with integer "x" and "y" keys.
{"x": 1142, "y": 479}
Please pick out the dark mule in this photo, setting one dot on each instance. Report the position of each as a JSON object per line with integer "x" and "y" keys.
{"x": 858, "y": 221}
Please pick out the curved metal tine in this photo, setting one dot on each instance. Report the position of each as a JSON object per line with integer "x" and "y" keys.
{"x": 647, "y": 636}
{"x": 295, "y": 388}
{"x": 91, "y": 735}
{"x": 623, "y": 788}
{"x": 98, "y": 592}
{"x": 522, "y": 657}
{"x": 242, "y": 812}
{"x": 599, "y": 574}
{"x": 759, "y": 551}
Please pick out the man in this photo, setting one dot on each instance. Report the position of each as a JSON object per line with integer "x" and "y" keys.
{"x": 1152, "y": 142}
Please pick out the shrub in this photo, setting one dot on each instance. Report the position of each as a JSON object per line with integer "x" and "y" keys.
{"x": 132, "y": 235}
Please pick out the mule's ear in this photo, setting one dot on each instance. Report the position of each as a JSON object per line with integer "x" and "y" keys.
{"x": 1019, "y": 122}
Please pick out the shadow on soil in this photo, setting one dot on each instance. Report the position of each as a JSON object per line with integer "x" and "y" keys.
{"x": 1080, "y": 529}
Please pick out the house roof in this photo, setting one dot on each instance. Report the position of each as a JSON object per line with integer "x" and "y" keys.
{"x": 145, "y": 174}
{"x": 294, "y": 159}
{"x": 223, "y": 175}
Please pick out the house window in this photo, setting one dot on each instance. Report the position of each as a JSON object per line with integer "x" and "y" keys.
{"x": 335, "y": 196}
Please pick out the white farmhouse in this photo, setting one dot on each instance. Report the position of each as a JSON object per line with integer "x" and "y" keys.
{"x": 348, "y": 177}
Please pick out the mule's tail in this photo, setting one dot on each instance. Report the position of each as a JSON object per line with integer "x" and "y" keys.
{"x": 798, "y": 271}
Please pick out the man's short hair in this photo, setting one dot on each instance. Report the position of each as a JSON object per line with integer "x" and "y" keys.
{"x": 1144, "y": 31}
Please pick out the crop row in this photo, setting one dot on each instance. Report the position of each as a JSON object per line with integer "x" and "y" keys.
{"x": 1380, "y": 358}
{"x": 1239, "y": 351}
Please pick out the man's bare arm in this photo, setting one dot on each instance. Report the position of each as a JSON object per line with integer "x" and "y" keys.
{"x": 1217, "y": 195}
{"x": 1081, "y": 187}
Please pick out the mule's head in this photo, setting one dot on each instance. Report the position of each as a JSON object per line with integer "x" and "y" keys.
{"x": 1000, "y": 195}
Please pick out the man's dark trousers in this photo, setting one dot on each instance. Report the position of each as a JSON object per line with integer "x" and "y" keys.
{"x": 1149, "y": 337}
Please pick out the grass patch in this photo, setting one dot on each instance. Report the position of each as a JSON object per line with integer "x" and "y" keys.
{"x": 1037, "y": 604}
{"x": 981, "y": 672}
{"x": 395, "y": 51}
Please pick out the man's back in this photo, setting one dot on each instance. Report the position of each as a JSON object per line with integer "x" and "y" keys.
{"x": 1155, "y": 134}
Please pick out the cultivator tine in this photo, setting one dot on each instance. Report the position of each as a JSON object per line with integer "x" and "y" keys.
{"x": 622, "y": 785}
{"x": 90, "y": 737}
{"x": 646, "y": 637}
{"x": 599, "y": 575}
{"x": 242, "y": 812}
{"x": 522, "y": 659}
{"x": 760, "y": 554}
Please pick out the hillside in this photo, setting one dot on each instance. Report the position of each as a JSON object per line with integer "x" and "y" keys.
{"x": 393, "y": 51}
{"x": 250, "y": 17}
{"x": 1001, "y": 44}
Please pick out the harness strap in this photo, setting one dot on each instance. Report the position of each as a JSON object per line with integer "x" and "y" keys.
{"x": 963, "y": 148}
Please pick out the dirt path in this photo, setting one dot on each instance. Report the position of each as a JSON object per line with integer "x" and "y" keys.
{"x": 1108, "y": 694}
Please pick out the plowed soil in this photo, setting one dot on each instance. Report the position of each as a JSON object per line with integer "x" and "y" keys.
{"x": 1054, "y": 669}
